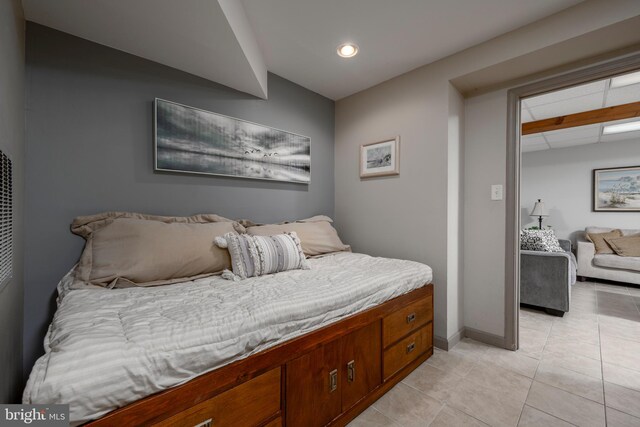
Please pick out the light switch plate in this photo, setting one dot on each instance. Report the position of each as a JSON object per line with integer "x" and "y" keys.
{"x": 496, "y": 192}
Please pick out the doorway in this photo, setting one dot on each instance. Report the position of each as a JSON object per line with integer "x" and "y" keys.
{"x": 516, "y": 95}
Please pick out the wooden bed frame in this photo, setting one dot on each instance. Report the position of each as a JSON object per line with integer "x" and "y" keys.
{"x": 325, "y": 377}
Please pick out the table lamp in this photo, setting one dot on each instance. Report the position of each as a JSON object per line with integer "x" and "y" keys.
{"x": 540, "y": 211}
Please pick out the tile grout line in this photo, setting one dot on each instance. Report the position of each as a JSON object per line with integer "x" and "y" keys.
{"x": 574, "y": 371}
{"x": 531, "y": 386}
{"x": 573, "y": 394}
{"x": 568, "y": 392}
{"x": 443, "y": 402}
{"x": 551, "y": 415}
{"x": 604, "y": 395}
{"x": 573, "y": 328}
{"x": 476, "y": 364}
{"x": 624, "y": 367}
{"x": 383, "y": 414}
{"x": 534, "y": 379}
{"x": 479, "y": 358}
{"x": 525, "y": 400}
{"x": 615, "y": 364}
{"x": 544, "y": 347}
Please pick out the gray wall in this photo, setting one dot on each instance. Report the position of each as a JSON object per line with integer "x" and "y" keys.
{"x": 12, "y": 144}
{"x": 403, "y": 216}
{"x": 420, "y": 214}
{"x": 485, "y": 163}
{"x": 89, "y": 149}
{"x": 563, "y": 179}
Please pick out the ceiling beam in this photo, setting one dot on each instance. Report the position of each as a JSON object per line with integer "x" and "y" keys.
{"x": 601, "y": 115}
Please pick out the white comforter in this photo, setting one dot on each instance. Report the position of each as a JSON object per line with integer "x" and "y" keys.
{"x": 107, "y": 348}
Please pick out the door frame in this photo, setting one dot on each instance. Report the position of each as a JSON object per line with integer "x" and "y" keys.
{"x": 595, "y": 71}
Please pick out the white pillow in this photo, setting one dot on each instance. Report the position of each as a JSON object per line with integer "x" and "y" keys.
{"x": 259, "y": 255}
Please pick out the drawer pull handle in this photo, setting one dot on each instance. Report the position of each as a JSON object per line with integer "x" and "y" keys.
{"x": 411, "y": 318}
{"x": 333, "y": 380}
{"x": 351, "y": 371}
{"x": 206, "y": 423}
{"x": 411, "y": 347}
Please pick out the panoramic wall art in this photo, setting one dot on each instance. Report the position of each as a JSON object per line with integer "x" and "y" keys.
{"x": 616, "y": 189}
{"x": 191, "y": 140}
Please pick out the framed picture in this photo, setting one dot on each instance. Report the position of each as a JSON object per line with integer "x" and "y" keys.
{"x": 616, "y": 189}
{"x": 190, "y": 140}
{"x": 380, "y": 158}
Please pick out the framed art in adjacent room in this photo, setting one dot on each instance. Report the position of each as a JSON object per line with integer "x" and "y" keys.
{"x": 380, "y": 158}
{"x": 616, "y": 189}
{"x": 190, "y": 140}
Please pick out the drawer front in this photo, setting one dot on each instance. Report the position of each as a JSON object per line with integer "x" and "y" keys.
{"x": 407, "y": 350}
{"x": 248, "y": 404}
{"x": 406, "y": 320}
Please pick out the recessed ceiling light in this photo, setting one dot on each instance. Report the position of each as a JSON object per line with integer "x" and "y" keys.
{"x": 625, "y": 80}
{"x": 348, "y": 50}
{"x": 622, "y": 127}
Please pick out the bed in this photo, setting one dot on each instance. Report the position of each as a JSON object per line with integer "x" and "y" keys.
{"x": 173, "y": 355}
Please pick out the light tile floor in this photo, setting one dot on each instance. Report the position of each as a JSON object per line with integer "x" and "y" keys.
{"x": 582, "y": 369}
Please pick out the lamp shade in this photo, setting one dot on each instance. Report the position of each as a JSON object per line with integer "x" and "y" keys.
{"x": 539, "y": 209}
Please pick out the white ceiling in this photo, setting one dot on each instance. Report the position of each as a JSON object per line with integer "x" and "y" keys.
{"x": 208, "y": 38}
{"x": 299, "y": 38}
{"x": 577, "y": 99}
{"x": 235, "y": 42}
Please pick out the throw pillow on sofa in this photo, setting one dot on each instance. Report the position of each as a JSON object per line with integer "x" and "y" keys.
{"x": 599, "y": 240}
{"x": 627, "y": 246}
{"x": 539, "y": 240}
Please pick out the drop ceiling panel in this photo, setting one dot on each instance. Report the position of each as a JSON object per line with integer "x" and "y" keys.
{"x": 623, "y": 95}
{"x": 567, "y": 106}
{"x": 533, "y": 143}
{"x": 570, "y": 134}
{"x": 622, "y": 137}
{"x": 525, "y": 116}
{"x": 533, "y": 139}
{"x": 587, "y": 97}
{"x": 536, "y": 147}
{"x": 573, "y": 142}
{"x": 566, "y": 94}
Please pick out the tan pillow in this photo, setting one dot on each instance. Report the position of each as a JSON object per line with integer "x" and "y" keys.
{"x": 625, "y": 246}
{"x": 141, "y": 250}
{"x": 598, "y": 239}
{"x": 316, "y": 234}
{"x": 84, "y": 225}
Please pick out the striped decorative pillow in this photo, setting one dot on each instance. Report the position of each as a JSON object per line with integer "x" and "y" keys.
{"x": 259, "y": 255}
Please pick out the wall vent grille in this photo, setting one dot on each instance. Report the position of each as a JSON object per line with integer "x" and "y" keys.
{"x": 6, "y": 220}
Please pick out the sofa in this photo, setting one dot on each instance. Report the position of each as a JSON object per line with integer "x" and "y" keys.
{"x": 546, "y": 278}
{"x": 606, "y": 266}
